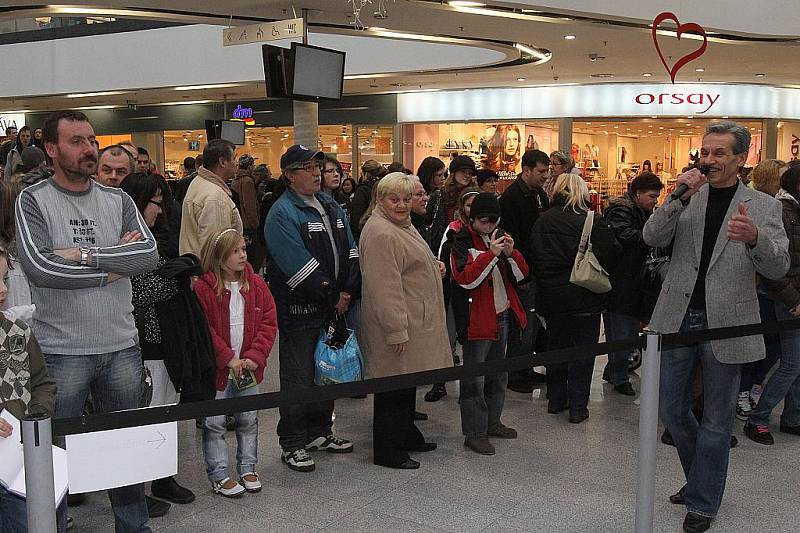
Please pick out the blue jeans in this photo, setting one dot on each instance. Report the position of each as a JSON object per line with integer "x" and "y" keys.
{"x": 115, "y": 381}
{"x": 704, "y": 447}
{"x": 482, "y": 397}
{"x": 756, "y": 372}
{"x": 214, "y": 448}
{"x": 784, "y": 384}
{"x": 619, "y": 327}
{"x": 14, "y": 514}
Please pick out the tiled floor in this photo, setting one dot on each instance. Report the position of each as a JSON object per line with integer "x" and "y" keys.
{"x": 557, "y": 477}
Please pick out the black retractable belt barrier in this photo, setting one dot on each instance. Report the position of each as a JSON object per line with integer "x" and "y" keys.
{"x": 271, "y": 400}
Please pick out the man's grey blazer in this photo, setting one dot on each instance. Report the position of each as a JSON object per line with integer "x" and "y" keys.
{"x": 731, "y": 279}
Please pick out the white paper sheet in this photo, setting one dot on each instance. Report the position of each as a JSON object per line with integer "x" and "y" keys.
{"x": 120, "y": 457}
{"x": 12, "y": 463}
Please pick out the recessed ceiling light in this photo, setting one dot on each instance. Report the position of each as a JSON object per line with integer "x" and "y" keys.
{"x": 520, "y": 79}
{"x": 653, "y": 116}
{"x": 699, "y": 69}
{"x": 690, "y": 116}
{"x": 569, "y": 37}
{"x": 97, "y": 107}
{"x": 459, "y": 3}
{"x": 726, "y": 116}
{"x": 616, "y": 127}
{"x": 86, "y": 95}
{"x": 211, "y": 86}
{"x": 647, "y": 75}
{"x": 602, "y": 75}
{"x": 760, "y": 75}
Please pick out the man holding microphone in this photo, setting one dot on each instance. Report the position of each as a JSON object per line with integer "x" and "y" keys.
{"x": 723, "y": 234}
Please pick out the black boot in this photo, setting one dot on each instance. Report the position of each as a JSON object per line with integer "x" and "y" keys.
{"x": 169, "y": 489}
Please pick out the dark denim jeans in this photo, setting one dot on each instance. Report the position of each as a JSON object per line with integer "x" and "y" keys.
{"x": 301, "y": 423}
{"x": 482, "y": 397}
{"x": 619, "y": 327}
{"x": 571, "y": 382}
{"x": 521, "y": 342}
{"x": 784, "y": 384}
{"x": 115, "y": 381}
{"x": 703, "y": 447}
{"x": 14, "y": 514}
{"x": 756, "y": 372}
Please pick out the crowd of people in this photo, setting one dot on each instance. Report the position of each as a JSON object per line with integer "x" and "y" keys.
{"x": 120, "y": 291}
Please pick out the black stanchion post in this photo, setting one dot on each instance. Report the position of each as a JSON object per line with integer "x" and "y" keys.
{"x": 648, "y": 433}
{"x": 37, "y": 448}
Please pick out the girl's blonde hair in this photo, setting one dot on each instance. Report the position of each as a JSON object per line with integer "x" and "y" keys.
{"x": 216, "y": 250}
{"x": 574, "y": 189}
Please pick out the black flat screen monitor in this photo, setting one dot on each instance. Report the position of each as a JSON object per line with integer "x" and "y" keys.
{"x": 315, "y": 73}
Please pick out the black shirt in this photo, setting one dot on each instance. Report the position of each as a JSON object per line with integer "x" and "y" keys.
{"x": 719, "y": 200}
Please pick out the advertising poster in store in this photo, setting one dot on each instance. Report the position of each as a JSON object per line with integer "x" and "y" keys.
{"x": 538, "y": 138}
{"x": 502, "y": 147}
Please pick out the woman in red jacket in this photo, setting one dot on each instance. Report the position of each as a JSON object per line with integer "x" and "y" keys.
{"x": 241, "y": 318}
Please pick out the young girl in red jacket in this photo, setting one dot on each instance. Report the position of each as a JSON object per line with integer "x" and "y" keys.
{"x": 485, "y": 268}
{"x": 241, "y": 318}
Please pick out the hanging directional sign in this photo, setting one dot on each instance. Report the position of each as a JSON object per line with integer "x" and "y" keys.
{"x": 259, "y": 33}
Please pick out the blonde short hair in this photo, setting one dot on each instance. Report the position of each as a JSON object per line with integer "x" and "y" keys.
{"x": 394, "y": 182}
{"x": 574, "y": 189}
{"x": 767, "y": 176}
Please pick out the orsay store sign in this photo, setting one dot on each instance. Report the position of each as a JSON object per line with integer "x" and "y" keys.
{"x": 604, "y": 100}
{"x": 16, "y": 120}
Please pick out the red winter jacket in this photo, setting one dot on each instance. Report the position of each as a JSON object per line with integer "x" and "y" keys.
{"x": 260, "y": 323}
{"x": 472, "y": 264}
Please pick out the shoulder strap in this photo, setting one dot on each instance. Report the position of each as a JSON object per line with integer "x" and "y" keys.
{"x": 587, "y": 230}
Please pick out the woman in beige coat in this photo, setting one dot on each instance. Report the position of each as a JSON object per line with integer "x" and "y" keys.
{"x": 403, "y": 328}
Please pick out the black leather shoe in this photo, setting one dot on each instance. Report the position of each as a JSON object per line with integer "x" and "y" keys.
{"x": 555, "y": 408}
{"x": 422, "y": 447}
{"x": 678, "y": 498}
{"x": 169, "y": 489}
{"x": 666, "y": 438}
{"x": 577, "y": 419}
{"x": 606, "y": 375}
{"x": 734, "y": 441}
{"x": 626, "y": 389}
{"x": 156, "y": 508}
{"x": 695, "y": 523}
{"x": 437, "y": 392}
{"x": 520, "y": 386}
{"x": 408, "y": 464}
{"x": 537, "y": 378}
{"x": 792, "y": 430}
{"x": 420, "y": 416}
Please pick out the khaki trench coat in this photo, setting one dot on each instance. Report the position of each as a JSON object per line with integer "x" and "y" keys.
{"x": 401, "y": 301}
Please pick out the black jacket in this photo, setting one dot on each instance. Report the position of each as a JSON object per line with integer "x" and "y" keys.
{"x": 627, "y": 220}
{"x": 787, "y": 289}
{"x": 420, "y": 224}
{"x": 520, "y": 207}
{"x": 553, "y": 246}
{"x": 359, "y": 205}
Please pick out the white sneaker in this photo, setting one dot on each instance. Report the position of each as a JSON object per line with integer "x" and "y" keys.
{"x": 743, "y": 407}
{"x": 251, "y": 485}
{"x": 330, "y": 444}
{"x": 228, "y": 488}
{"x": 755, "y": 395}
{"x": 298, "y": 460}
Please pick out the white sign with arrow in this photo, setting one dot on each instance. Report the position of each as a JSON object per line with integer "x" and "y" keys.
{"x": 120, "y": 457}
{"x": 265, "y": 32}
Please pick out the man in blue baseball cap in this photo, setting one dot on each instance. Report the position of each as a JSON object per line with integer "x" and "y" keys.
{"x": 313, "y": 274}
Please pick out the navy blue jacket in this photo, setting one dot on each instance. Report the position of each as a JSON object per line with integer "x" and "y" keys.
{"x": 301, "y": 273}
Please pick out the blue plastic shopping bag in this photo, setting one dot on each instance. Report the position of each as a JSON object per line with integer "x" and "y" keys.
{"x": 337, "y": 358}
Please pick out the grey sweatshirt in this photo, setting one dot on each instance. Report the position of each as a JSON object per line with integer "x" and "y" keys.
{"x": 77, "y": 311}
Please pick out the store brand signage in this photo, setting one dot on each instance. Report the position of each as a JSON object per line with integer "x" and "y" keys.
{"x": 15, "y": 120}
{"x": 243, "y": 114}
{"x": 704, "y": 101}
{"x": 600, "y": 100}
{"x": 795, "y": 146}
{"x": 689, "y": 27}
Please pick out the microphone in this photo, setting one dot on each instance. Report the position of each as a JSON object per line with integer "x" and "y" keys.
{"x": 681, "y": 189}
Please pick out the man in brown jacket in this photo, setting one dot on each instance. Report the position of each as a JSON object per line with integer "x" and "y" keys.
{"x": 208, "y": 207}
{"x": 244, "y": 185}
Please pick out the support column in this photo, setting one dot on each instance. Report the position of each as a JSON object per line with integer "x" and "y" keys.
{"x": 306, "y": 114}
{"x": 769, "y": 139}
{"x": 565, "y": 135}
{"x": 397, "y": 144}
{"x": 355, "y": 173}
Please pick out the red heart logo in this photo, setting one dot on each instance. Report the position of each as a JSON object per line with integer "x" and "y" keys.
{"x": 682, "y": 28}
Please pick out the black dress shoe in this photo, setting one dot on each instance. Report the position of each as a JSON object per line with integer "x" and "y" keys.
{"x": 521, "y": 386}
{"x": 437, "y": 392}
{"x": 626, "y": 389}
{"x": 554, "y": 408}
{"x": 792, "y": 430}
{"x": 169, "y": 489}
{"x": 606, "y": 375}
{"x": 408, "y": 464}
{"x": 666, "y": 438}
{"x": 422, "y": 447}
{"x": 420, "y": 416}
{"x": 577, "y": 419}
{"x": 695, "y": 523}
{"x": 734, "y": 441}
{"x": 156, "y": 508}
{"x": 678, "y": 498}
